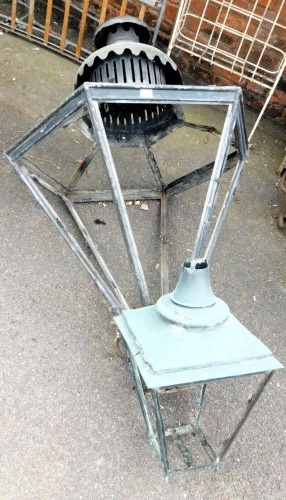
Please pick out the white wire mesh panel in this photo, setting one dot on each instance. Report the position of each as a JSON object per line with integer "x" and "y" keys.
{"x": 248, "y": 41}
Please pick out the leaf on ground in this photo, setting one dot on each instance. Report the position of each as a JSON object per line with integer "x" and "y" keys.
{"x": 144, "y": 206}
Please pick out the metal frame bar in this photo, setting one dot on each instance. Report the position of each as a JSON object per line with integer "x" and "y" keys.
{"x": 141, "y": 396}
{"x": 118, "y": 200}
{"x": 73, "y": 244}
{"x": 90, "y": 96}
{"x": 251, "y": 403}
{"x": 218, "y": 169}
{"x": 58, "y": 189}
{"x": 176, "y": 95}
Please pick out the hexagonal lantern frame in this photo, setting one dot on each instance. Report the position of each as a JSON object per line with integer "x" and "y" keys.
{"x": 157, "y": 371}
{"x": 87, "y": 101}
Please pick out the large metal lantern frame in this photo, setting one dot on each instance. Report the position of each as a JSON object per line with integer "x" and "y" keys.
{"x": 151, "y": 368}
{"x": 88, "y": 101}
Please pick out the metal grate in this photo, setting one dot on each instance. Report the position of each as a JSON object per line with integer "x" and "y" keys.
{"x": 124, "y": 55}
{"x": 240, "y": 40}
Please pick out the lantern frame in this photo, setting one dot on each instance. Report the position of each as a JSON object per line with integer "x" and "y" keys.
{"x": 87, "y": 100}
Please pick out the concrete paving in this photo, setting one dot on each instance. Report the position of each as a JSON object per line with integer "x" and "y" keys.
{"x": 71, "y": 426}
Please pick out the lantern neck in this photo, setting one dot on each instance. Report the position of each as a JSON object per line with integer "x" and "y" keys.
{"x": 193, "y": 304}
{"x": 193, "y": 288}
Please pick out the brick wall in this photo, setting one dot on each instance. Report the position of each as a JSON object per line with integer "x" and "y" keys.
{"x": 203, "y": 71}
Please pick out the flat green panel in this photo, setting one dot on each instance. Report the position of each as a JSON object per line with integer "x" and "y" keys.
{"x": 168, "y": 355}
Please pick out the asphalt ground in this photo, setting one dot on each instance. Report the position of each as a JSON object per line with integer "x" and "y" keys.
{"x": 71, "y": 425}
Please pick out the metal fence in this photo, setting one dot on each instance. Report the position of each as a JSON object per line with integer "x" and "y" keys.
{"x": 67, "y": 26}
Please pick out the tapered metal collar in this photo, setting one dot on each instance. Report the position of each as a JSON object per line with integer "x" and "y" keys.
{"x": 193, "y": 303}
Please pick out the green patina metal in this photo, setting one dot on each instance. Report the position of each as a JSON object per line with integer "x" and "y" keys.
{"x": 188, "y": 338}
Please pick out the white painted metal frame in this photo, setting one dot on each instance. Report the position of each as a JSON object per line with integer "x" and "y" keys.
{"x": 255, "y": 57}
